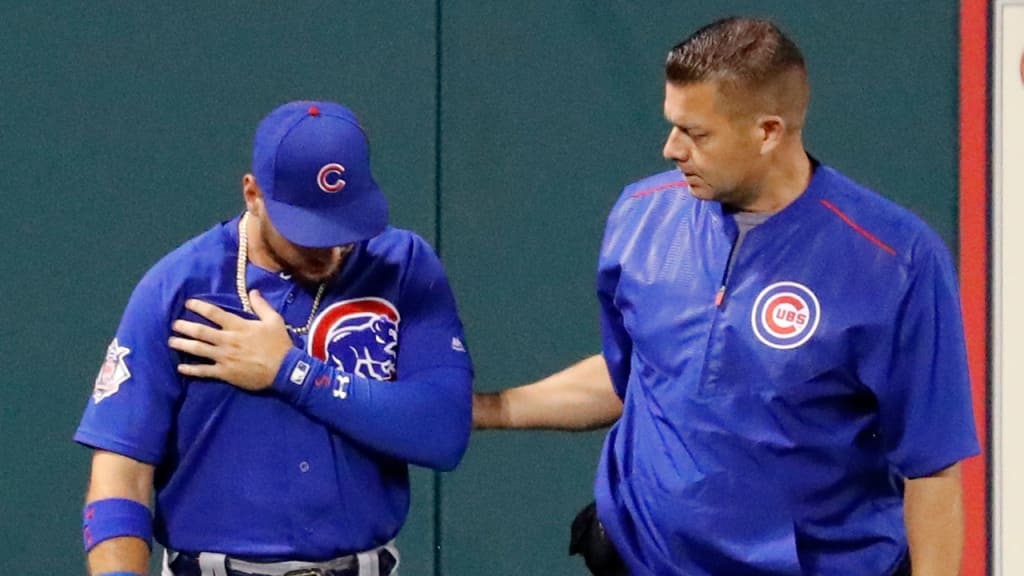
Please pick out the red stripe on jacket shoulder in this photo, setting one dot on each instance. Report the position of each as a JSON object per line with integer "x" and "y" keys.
{"x": 856, "y": 227}
{"x": 676, "y": 184}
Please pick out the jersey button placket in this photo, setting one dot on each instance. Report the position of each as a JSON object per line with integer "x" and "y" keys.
{"x": 287, "y": 302}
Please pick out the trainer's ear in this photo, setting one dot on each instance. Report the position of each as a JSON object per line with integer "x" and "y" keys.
{"x": 253, "y": 195}
{"x": 771, "y": 128}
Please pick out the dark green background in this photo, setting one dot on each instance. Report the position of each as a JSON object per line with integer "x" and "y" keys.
{"x": 125, "y": 129}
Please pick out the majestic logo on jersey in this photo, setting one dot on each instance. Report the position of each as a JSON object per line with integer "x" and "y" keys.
{"x": 359, "y": 336}
{"x": 113, "y": 372}
{"x": 785, "y": 315}
{"x": 329, "y": 177}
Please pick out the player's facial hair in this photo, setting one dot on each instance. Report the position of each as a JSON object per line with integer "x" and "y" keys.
{"x": 289, "y": 268}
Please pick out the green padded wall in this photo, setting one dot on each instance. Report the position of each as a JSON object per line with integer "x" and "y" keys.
{"x": 125, "y": 128}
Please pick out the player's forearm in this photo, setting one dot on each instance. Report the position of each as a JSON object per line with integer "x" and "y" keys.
{"x": 423, "y": 419}
{"x": 117, "y": 477}
{"x": 580, "y": 397}
{"x": 119, "y": 555}
{"x": 933, "y": 512}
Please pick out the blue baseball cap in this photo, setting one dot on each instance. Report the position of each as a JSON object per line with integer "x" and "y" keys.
{"x": 312, "y": 161}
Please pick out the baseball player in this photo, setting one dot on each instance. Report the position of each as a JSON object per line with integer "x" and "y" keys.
{"x": 272, "y": 378}
{"x": 786, "y": 344}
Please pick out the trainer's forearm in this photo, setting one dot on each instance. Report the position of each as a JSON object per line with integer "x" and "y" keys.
{"x": 580, "y": 397}
{"x": 933, "y": 513}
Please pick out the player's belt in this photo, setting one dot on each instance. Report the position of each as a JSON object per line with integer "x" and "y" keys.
{"x": 381, "y": 561}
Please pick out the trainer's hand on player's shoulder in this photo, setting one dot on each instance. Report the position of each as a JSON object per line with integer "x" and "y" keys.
{"x": 245, "y": 353}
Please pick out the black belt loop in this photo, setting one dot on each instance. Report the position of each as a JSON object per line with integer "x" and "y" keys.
{"x": 387, "y": 561}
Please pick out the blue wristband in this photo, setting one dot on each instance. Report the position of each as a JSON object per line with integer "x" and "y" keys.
{"x": 120, "y": 574}
{"x": 113, "y": 518}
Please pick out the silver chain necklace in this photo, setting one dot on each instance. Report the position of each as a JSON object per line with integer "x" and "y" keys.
{"x": 243, "y": 294}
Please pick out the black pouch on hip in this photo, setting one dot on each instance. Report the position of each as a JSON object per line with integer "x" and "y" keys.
{"x": 589, "y": 539}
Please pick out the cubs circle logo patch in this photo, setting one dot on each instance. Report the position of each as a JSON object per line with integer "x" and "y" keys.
{"x": 785, "y": 315}
{"x": 358, "y": 336}
{"x": 329, "y": 178}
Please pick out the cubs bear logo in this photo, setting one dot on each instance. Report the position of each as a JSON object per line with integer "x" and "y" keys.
{"x": 785, "y": 315}
{"x": 358, "y": 336}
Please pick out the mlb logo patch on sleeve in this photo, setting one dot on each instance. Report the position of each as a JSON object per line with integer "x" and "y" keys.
{"x": 299, "y": 373}
{"x": 113, "y": 372}
{"x": 457, "y": 344}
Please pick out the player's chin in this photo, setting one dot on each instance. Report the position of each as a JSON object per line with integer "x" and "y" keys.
{"x": 317, "y": 273}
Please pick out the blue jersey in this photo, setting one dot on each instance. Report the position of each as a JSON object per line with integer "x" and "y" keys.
{"x": 771, "y": 413}
{"x": 316, "y": 466}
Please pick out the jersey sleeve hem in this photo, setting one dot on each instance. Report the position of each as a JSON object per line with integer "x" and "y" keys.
{"x": 101, "y": 442}
{"x": 933, "y": 465}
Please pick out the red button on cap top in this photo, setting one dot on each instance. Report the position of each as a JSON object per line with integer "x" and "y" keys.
{"x": 314, "y": 111}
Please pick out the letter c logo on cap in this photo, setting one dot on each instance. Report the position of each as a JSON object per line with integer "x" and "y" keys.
{"x": 329, "y": 178}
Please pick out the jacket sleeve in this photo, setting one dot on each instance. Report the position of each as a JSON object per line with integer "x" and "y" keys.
{"x": 616, "y": 343}
{"x": 926, "y": 417}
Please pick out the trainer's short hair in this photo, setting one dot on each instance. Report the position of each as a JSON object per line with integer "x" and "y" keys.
{"x": 745, "y": 56}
